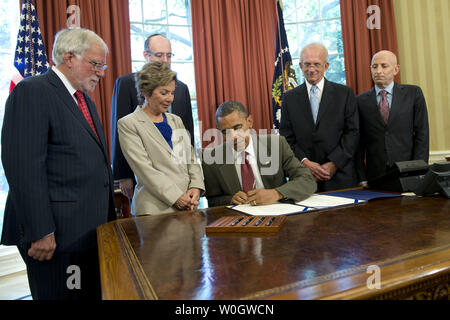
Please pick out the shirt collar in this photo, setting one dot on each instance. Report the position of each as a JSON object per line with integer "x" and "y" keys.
{"x": 389, "y": 89}
{"x": 319, "y": 85}
{"x": 250, "y": 150}
{"x": 64, "y": 80}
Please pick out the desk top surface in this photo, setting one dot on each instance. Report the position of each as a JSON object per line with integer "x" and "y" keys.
{"x": 177, "y": 260}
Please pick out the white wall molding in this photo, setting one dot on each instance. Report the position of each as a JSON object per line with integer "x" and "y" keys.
{"x": 10, "y": 260}
{"x": 438, "y": 156}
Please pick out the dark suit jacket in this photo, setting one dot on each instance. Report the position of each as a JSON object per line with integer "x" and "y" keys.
{"x": 333, "y": 138}
{"x": 276, "y": 161}
{"x": 58, "y": 172}
{"x": 404, "y": 138}
{"x": 125, "y": 100}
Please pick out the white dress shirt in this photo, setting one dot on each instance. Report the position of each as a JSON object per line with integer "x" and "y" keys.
{"x": 238, "y": 160}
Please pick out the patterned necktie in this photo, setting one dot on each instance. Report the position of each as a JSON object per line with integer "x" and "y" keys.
{"x": 384, "y": 106}
{"x": 314, "y": 101}
{"x": 248, "y": 179}
{"x": 83, "y": 108}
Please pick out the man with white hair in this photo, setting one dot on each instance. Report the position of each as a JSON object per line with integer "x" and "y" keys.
{"x": 57, "y": 166}
{"x": 320, "y": 122}
{"x": 393, "y": 121}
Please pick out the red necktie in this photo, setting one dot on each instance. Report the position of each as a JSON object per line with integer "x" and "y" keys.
{"x": 384, "y": 106}
{"x": 248, "y": 179}
{"x": 83, "y": 107}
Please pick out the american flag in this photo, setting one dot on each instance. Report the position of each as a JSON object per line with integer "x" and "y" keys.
{"x": 30, "y": 58}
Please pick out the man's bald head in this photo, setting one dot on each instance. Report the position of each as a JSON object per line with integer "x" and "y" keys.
{"x": 384, "y": 68}
{"x": 158, "y": 48}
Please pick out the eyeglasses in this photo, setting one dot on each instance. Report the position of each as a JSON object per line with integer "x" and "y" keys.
{"x": 97, "y": 65}
{"x": 161, "y": 54}
{"x": 315, "y": 65}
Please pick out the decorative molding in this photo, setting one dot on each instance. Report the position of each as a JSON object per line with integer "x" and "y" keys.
{"x": 10, "y": 260}
{"x": 437, "y": 156}
{"x": 436, "y": 288}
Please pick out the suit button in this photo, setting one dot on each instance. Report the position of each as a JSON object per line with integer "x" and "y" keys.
{"x": 106, "y": 185}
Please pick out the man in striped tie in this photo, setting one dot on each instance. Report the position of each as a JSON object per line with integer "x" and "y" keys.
{"x": 393, "y": 121}
{"x": 58, "y": 170}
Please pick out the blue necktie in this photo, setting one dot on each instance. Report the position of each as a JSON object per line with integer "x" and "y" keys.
{"x": 314, "y": 101}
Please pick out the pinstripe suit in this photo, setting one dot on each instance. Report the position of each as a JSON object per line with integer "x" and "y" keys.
{"x": 58, "y": 173}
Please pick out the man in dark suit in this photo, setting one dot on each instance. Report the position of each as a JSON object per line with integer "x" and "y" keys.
{"x": 250, "y": 168}
{"x": 320, "y": 122}
{"x": 393, "y": 121}
{"x": 57, "y": 166}
{"x": 125, "y": 100}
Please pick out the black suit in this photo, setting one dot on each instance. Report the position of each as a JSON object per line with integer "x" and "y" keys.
{"x": 59, "y": 178}
{"x": 405, "y": 136}
{"x": 335, "y": 135}
{"x": 125, "y": 100}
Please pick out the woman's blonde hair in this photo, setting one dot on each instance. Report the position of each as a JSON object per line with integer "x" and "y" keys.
{"x": 153, "y": 75}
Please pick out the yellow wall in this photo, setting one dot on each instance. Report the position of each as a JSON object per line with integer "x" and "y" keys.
{"x": 423, "y": 34}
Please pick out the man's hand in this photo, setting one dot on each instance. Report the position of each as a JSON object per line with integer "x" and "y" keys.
{"x": 43, "y": 249}
{"x": 239, "y": 198}
{"x": 259, "y": 197}
{"x": 126, "y": 187}
{"x": 331, "y": 168}
{"x": 317, "y": 170}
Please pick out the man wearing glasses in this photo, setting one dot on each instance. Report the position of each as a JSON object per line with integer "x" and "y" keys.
{"x": 125, "y": 100}
{"x": 320, "y": 122}
{"x": 56, "y": 161}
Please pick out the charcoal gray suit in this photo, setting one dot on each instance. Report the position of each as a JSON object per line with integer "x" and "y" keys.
{"x": 59, "y": 179}
{"x": 405, "y": 136}
{"x": 334, "y": 137}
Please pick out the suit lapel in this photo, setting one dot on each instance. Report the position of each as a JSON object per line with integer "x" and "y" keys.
{"x": 153, "y": 130}
{"x": 70, "y": 103}
{"x": 325, "y": 100}
{"x": 97, "y": 124}
{"x": 373, "y": 106}
{"x": 306, "y": 112}
{"x": 261, "y": 142}
{"x": 228, "y": 170}
{"x": 397, "y": 96}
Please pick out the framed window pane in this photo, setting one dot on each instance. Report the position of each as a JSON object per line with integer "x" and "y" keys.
{"x": 155, "y": 11}
{"x": 185, "y": 73}
{"x": 135, "y": 8}
{"x": 180, "y": 38}
{"x": 316, "y": 21}
{"x": 180, "y": 12}
{"x": 137, "y": 65}
{"x": 307, "y": 10}
{"x": 137, "y": 46}
{"x": 330, "y": 9}
{"x": 155, "y": 28}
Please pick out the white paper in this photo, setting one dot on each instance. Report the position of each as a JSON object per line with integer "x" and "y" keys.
{"x": 276, "y": 209}
{"x": 319, "y": 201}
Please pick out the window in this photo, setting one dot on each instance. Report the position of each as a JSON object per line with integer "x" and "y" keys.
{"x": 9, "y": 15}
{"x": 171, "y": 18}
{"x": 309, "y": 21}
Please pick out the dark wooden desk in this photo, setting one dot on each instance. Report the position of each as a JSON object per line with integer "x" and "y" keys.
{"x": 316, "y": 255}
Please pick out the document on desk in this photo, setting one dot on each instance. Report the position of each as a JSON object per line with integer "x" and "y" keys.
{"x": 275, "y": 209}
{"x": 314, "y": 202}
{"x": 320, "y": 201}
